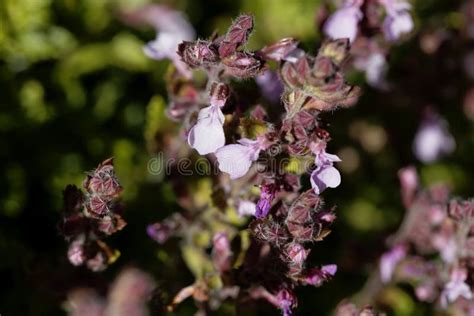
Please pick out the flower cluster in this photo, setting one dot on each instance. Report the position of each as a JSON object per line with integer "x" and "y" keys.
{"x": 433, "y": 250}
{"x": 362, "y": 22}
{"x": 266, "y": 146}
{"x": 89, "y": 217}
{"x": 344, "y": 23}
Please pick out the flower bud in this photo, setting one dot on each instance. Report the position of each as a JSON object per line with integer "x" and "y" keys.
{"x": 97, "y": 206}
{"x": 199, "y": 53}
{"x": 242, "y": 65}
{"x": 279, "y": 50}
{"x": 219, "y": 94}
{"x": 236, "y": 36}
{"x": 337, "y": 50}
{"x": 111, "y": 224}
{"x": 296, "y": 254}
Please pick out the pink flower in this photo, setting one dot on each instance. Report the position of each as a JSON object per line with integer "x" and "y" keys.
{"x": 236, "y": 159}
{"x": 76, "y": 252}
{"x": 221, "y": 252}
{"x": 343, "y": 23}
{"x": 456, "y": 287}
{"x": 409, "y": 184}
{"x": 389, "y": 262}
{"x": 317, "y": 277}
{"x": 325, "y": 175}
{"x": 207, "y": 135}
{"x": 398, "y": 20}
{"x": 432, "y": 140}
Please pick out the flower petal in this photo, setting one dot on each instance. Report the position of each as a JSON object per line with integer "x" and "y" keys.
{"x": 396, "y": 25}
{"x": 343, "y": 23}
{"x": 330, "y": 176}
{"x": 333, "y": 158}
{"x": 323, "y": 177}
{"x": 208, "y": 134}
{"x": 235, "y": 160}
{"x": 316, "y": 183}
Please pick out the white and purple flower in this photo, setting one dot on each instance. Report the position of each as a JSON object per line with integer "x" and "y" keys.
{"x": 172, "y": 28}
{"x": 236, "y": 159}
{"x": 344, "y": 22}
{"x": 456, "y": 287}
{"x": 398, "y": 20}
{"x": 207, "y": 135}
{"x": 325, "y": 175}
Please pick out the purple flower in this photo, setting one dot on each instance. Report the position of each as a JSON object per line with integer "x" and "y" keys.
{"x": 236, "y": 159}
{"x": 207, "y": 135}
{"x": 246, "y": 208}
{"x": 267, "y": 194}
{"x": 343, "y": 23}
{"x": 432, "y": 140}
{"x": 286, "y": 301}
{"x": 317, "y": 276}
{"x": 159, "y": 232}
{"x": 270, "y": 86}
{"x": 325, "y": 175}
{"x": 398, "y": 20}
{"x": 456, "y": 287}
{"x": 390, "y": 260}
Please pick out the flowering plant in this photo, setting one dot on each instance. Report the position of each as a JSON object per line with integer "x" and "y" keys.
{"x": 255, "y": 125}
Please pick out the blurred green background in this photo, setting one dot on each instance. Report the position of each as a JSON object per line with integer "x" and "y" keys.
{"x": 76, "y": 88}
